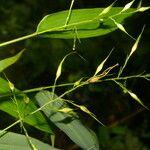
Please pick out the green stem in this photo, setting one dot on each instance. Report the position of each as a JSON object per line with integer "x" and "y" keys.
{"x": 147, "y": 76}
{"x": 1, "y": 132}
{"x": 35, "y": 90}
{"x": 18, "y": 39}
{"x": 46, "y": 87}
{"x": 69, "y": 13}
{"x": 56, "y": 99}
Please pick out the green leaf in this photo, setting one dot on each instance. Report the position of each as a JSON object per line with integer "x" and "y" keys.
{"x": 14, "y": 141}
{"x": 67, "y": 122}
{"x": 26, "y": 106}
{"x": 87, "y": 23}
{"x": 9, "y": 61}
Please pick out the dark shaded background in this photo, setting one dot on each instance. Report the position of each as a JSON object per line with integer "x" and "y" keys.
{"x": 39, "y": 63}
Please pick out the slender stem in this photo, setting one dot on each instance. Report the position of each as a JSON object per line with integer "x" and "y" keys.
{"x": 56, "y": 99}
{"x": 46, "y": 87}
{"x": 69, "y": 13}
{"x": 122, "y": 68}
{"x": 35, "y": 89}
{"x": 33, "y": 147}
{"x": 18, "y": 39}
{"x": 18, "y": 121}
{"x": 70, "y": 84}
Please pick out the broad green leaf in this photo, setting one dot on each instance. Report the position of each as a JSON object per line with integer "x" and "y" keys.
{"x": 26, "y": 106}
{"x": 9, "y": 61}
{"x": 87, "y": 23}
{"x": 14, "y": 141}
{"x": 67, "y": 122}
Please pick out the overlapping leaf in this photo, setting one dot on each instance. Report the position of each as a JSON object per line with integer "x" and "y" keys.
{"x": 7, "y": 105}
{"x": 14, "y": 141}
{"x": 87, "y": 22}
{"x": 68, "y": 123}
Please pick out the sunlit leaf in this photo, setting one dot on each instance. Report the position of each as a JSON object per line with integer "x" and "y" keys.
{"x": 87, "y": 23}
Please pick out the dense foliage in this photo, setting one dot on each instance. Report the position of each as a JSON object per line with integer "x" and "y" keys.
{"x": 80, "y": 60}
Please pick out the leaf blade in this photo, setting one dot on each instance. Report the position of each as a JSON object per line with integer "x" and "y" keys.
{"x": 86, "y": 21}
{"x": 37, "y": 120}
{"x": 9, "y": 61}
{"x": 68, "y": 124}
{"x": 11, "y": 140}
